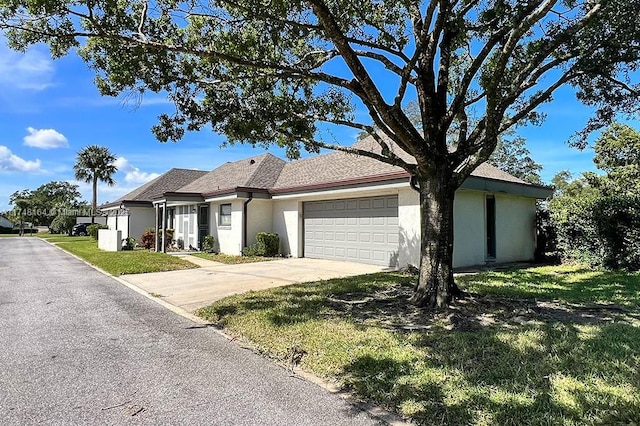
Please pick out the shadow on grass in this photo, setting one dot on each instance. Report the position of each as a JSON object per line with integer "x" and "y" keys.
{"x": 573, "y": 285}
{"x": 550, "y": 374}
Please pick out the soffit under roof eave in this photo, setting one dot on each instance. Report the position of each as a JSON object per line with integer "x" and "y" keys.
{"x": 511, "y": 188}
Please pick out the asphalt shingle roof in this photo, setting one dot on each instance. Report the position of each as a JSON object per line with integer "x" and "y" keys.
{"x": 167, "y": 182}
{"x": 340, "y": 166}
{"x": 269, "y": 172}
{"x": 259, "y": 172}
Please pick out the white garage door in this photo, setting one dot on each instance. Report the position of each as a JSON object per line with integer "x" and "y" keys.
{"x": 359, "y": 229}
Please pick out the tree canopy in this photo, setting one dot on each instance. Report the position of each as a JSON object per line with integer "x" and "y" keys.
{"x": 46, "y": 201}
{"x": 279, "y": 72}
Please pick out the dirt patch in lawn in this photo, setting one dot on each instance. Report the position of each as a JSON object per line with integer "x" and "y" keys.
{"x": 389, "y": 308}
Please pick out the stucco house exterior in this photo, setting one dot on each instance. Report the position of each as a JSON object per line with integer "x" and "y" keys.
{"x": 134, "y": 212}
{"x": 346, "y": 207}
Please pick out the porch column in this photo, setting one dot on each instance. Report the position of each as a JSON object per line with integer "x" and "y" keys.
{"x": 157, "y": 239}
{"x": 164, "y": 227}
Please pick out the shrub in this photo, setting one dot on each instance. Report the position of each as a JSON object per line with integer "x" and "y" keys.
{"x": 128, "y": 243}
{"x": 93, "y": 230}
{"x": 251, "y": 250}
{"x": 268, "y": 244}
{"x": 601, "y": 231}
{"x": 169, "y": 238}
{"x": 208, "y": 245}
{"x": 148, "y": 239}
{"x": 617, "y": 223}
{"x": 63, "y": 224}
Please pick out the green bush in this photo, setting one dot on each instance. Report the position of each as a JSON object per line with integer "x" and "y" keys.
{"x": 601, "y": 231}
{"x": 93, "y": 230}
{"x": 268, "y": 244}
{"x": 129, "y": 244}
{"x": 63, "y": 224}
{"x": 208, "y": 245}
{"x": 617, "y": 223}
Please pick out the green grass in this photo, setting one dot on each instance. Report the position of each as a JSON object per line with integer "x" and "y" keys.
{"x": 233, "y": 260}
{"x": 123, "y": 262}
{"x": 567, "y": 283}
{"x": 58, "y": 238}
{"x": 574, "y": 371}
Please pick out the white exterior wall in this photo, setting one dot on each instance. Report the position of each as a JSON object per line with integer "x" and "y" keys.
{"x": 287, "y": 223}
{"x": 409, "y": 220}
{"x": 515, "y": 228}
{"x": 469, "y": 228}
{"x": 228, "y": 238}
{"x": 111, "y": 221}
{"x": 139, "y": 219}
{"x": 118, "y": 220}
{"x": 259, "y": 218}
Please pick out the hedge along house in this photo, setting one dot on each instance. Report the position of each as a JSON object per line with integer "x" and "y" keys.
{"x": 134, "y": 212}
{"x": 346, "y": 207}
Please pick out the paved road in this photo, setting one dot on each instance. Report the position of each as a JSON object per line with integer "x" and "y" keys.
{"x": 77, "y": 347}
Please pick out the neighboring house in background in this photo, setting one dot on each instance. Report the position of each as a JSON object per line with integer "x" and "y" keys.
{"x": 5, "y": 222}
{"x": 98, "y": 220}
{"x": 347, "y": 207}
{"x": 134, "y": 212}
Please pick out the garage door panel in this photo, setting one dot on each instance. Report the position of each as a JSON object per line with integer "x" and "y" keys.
{"x": 363, "y": 230}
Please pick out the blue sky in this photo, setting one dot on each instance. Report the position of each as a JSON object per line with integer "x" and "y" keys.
{"x": 51, "y": 109}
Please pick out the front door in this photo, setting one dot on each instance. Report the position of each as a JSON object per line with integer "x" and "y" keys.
{"x": 203, "y": 224}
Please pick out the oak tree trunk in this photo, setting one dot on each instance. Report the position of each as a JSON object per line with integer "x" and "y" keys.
{"x": 436, "y": 287}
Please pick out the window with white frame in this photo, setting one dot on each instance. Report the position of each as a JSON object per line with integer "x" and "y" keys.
{"x": 225, "y": 214}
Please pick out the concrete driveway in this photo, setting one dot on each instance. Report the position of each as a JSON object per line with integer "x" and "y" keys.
{"x": 194, "y": 288}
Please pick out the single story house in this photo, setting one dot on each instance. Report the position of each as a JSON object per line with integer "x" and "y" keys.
{"x": 134, "y": 212}
{"x": 5, "y": 222}
{"x": 346, "y": 207}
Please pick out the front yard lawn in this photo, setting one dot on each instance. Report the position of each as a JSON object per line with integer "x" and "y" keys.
{"x": 123, "y": 262}
{"x": 233, "y": 260}
{"x": 526, "y": 347}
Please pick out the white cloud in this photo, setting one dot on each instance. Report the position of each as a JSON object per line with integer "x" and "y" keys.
{"x": 133, "y": 174}
{"x": 9, "y": 162}
{"x": 45, "y": 139}
{"x": 32, "y": 70}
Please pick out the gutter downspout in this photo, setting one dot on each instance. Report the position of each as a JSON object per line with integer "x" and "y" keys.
{"x": 413, "y": 183}
{"x": 245, "y": 220}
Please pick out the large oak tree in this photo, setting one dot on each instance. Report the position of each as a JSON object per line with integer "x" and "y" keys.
{"x": 280, "y": 72}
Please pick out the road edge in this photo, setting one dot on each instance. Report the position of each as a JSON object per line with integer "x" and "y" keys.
{"x": 374, "y": 411}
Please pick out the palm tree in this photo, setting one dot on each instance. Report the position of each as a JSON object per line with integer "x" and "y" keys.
{"x": 95, "y": 163}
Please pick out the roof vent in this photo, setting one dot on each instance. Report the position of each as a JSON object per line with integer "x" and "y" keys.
{"x": 252, "y": 161}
